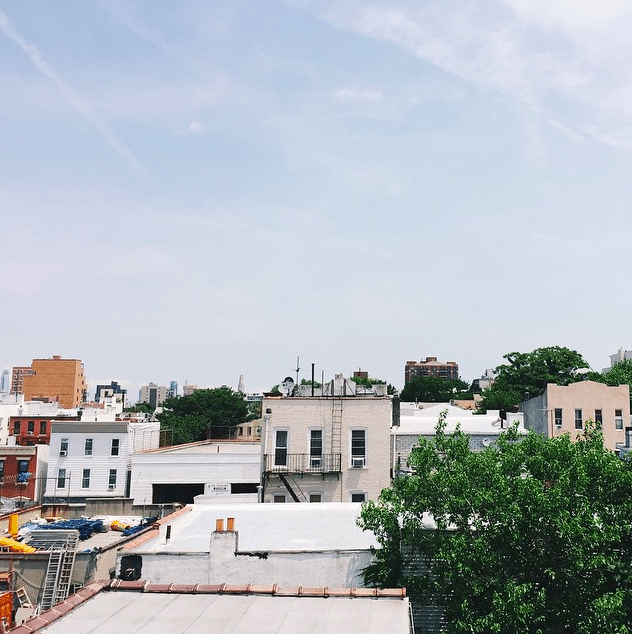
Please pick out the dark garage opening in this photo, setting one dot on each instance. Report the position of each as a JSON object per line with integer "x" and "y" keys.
{"x": 182, "y": 493}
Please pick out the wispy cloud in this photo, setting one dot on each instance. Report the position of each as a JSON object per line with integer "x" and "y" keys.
{"x": 71, "y": 95}
{"x": 566, "y": 61}
{"x": 352, "y": 94}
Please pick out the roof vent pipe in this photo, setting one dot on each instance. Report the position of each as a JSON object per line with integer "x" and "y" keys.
{"x": 219, "y": 525}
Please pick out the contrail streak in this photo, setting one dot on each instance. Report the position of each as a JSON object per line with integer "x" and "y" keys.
{"x": 73, "y": 97}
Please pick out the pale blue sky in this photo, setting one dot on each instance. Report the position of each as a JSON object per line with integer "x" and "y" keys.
{"x": 202, "y": 189}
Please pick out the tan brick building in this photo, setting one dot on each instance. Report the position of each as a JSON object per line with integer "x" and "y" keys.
{"x": 57, "y": 379}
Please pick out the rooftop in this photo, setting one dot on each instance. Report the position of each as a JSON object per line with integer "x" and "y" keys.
{"x": 136, "y": 606}
{"x": 266, "y": 527}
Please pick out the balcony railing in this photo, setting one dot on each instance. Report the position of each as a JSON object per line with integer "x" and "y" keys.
{"x": 281, "y": 462}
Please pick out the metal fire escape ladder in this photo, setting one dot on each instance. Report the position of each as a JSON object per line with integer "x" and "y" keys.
{"x": 66, "y": 568}
{"x": 288, "y": 487}
{"x": 336, "y": 425}
{"x": 51, "y": 579}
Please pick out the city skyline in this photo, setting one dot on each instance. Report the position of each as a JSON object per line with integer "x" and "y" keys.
{"x": 196, "y": 191}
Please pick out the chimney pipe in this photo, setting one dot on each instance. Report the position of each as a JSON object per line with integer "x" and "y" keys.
{"x": 219, "y": 525}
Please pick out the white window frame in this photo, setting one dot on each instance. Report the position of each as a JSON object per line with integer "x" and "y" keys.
{"x": 579, "y": 419}
{"x": 363, "y": 493}
{"x": 116, "y": 442}
{"x": 318, "y": 493}
{"x": 88, "y": 446}
{"x": 61, "y": 479}
{"x": 618, "y": 419}
{"x": 112, "y": 477}
{"x": 64, "y": 443}
{"x": 316, "y": 460}
{"x": 278, "y": 447}
{"x": 558, "y": 422}
{"x": 85, "y": 479}
{"x": 353, "y": 458}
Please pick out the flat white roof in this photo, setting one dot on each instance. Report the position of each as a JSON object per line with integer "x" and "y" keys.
{"x": 211, "y": 447}
{"x": 241, "y": 614}
{"x": 268, "y": 527}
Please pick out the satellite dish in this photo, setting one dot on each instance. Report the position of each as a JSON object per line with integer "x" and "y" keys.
{"x": 287, "y": 386}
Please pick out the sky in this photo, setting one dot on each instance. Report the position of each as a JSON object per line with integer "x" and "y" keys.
{"x": 198, "y": 190}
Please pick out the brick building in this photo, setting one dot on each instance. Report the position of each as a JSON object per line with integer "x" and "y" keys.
{"x": 431, "y": 367}
{"x": 57, "y": 379}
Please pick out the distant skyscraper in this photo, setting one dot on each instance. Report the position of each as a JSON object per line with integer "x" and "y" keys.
{"x": 5, "y": 382}
{"x": 17, "y": 378}
{"x": 172, "y": 392}
{"x": 242, "y": 386}
{"x": 109, "y": 390}
{"x": 431, "y": 367}
{"x": 57, "y": 379}
{"x": 152, "y": 394}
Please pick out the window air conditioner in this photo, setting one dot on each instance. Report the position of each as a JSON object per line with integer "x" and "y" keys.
{"x": 315, "y": 461}
{"x": 357, "y": 463}
{"x": 111, "y": 487}
{"x": 63, "y": 452}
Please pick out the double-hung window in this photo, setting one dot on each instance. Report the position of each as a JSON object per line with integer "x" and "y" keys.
{"x": 85, "y": 479}
{"x": 88, "y": 447}
{"x": 599, "y": 417}
{"x": 280, "y": 447}
{"x": 316, "y": 448}
{"x": 358, "y": 447}
{"x": 114, "y": 451}
{"x": 61, "y": 478}
{"x": 618, "y": 419}
{"x": 558, "y": 417}
{"x": 579, "y": 421}
{"x": 63, "y": 447}
{"x": 112, "y": 478}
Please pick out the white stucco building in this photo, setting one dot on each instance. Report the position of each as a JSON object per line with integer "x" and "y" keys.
{"x": 205, "y": 472}
{"x": 332, "y": 447}
{"x": 421, "y": 420}
{"x": 290, "y": 545}
{"x": 92, "y": 459}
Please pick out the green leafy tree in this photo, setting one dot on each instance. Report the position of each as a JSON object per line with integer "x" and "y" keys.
{"x": 528, "y": 373}
{"x": 619, "y": 374}
{"x": 531, "y": 536}
{"x": 204, "y": 414}
{"x": 369, "y": 382}
{"x": 144, "y": 408}
{"x": 431, "y": 389}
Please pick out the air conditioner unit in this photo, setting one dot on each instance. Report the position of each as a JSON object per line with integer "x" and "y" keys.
{"x": 63, "y": 452}
{"x": 357, "y": 463}
{"x": 30, "y": 433}
{"x": 111, "y": 487}
{"x": 315, "y": 462}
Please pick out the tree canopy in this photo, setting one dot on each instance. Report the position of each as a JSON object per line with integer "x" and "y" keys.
{"x": 619, "y": 374}
{"x": 528, "y": 373}
{"x": 209, "y": 413}
{"x": 532, "y": 536}
{"x": 431, "y": 389}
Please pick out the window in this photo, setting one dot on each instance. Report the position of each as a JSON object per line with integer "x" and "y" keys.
{"x": 88, "y": 447}
{"x": 85, "y": 479}
{"x": 42, "y": 428}
{"x": 358, "y": 447}
{"x": 280, "y": 448}
{"x": 579, "y": 421}
{"x": 16, "y": 427}
{"x": 558, "y": 417}
{"x": 61, "y": 479}
{"x": 618, "y": 419}
{"x": 30, "y": 426}
{"x": 114, "y": 451}
{"x": 599, "y": 416}
{"x": 315, "y": 497}
{"x": 23, "y": 466}
{"x": 358, "y": 497}
{"x": 112, "y": 478}
{"x": 315, "y": 448}
{"x": 278, "y": 498}
{"x": 63, "y": 447}
{"x": 1, "y": 469}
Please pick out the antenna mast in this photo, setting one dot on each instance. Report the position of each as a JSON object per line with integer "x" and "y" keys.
{"x": 297, "y": 369}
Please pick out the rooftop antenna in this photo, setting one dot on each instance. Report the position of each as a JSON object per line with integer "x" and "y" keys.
{"x": 297, "y": 369}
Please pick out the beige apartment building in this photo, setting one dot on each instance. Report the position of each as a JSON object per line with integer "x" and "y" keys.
{"x": 330, "y": 447}
{"x": 566, "y": 408}
{"x": 57, "y": 379}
